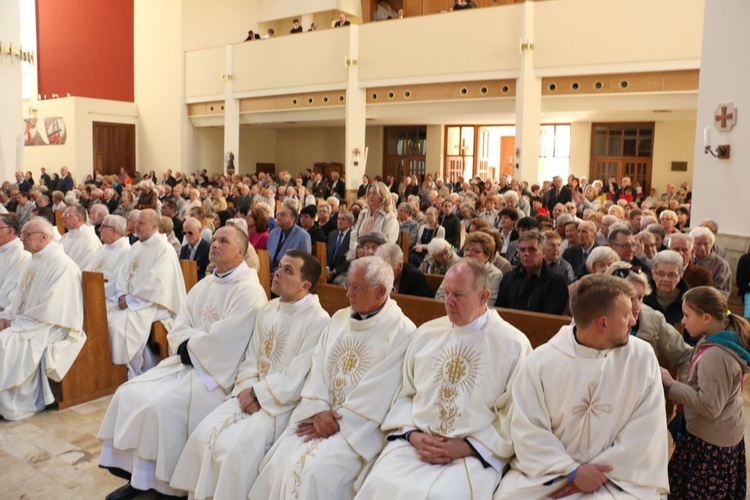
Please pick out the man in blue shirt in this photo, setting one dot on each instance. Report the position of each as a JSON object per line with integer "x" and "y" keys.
{"x": 286, "y": 236}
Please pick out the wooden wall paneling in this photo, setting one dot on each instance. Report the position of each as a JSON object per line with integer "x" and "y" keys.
{"x": 681, "y": 80}
{"x": 412, "y": 8}
{"x": 197, "y": 109}
{"x": 639, "y": 82}
{"x": 258, "y": 104}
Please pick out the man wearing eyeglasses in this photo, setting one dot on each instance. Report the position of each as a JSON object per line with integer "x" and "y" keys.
{"x": 109, "y": 258}
{"x": 13, "y": 259}
{"x": 47, "y": 309}
{"x": 622, "y": 241}
{"x": 80, "y": 242}
{"x": 334, "y": 433}
{"x": 196, "y": 248}
{"x": 149, "y": 288}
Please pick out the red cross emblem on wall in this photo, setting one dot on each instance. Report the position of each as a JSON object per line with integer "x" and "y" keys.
{"x": 725, "y": 117}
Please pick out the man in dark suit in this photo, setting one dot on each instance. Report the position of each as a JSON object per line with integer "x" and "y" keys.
{"x": 337, "y": 187}
{"x": 558, "y": 193}
{"x": 342, "y": 21}
{"x": 407, "y": 279}
{"x": 307, "y": 222}
{"x": 338, "y": 245}
{"x": 169, "y": 209}
{"x": 296, "y": 28}
{"x": 319, "y": 188}
{"x": 45, "y": 177}
{"x": 576, "y": 255}
{"x": 66, "y": 181}
{"x": 196, "y": 248}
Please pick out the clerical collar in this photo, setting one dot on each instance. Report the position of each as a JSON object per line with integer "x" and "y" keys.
{"x": 362, "y": 317}
{"x": 150, "y": 238}
{"x": 296, "y": 303}
{"x": 48, "y": 249}
{"x": 478, "y": 323}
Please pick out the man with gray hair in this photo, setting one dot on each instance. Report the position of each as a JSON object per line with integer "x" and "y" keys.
{"x": 449, "y": 429}
{"x": 97, "y": 213}
{"x": 335, "y": 431}
{"x": 13, "y": 259}
{"x": 532, "y": 286}
{"x": 704, "y": 256}
{"x": 407, "y": 279}
{"x": 80, "y": 242}
{"x": 109, "y": 257}
{"x": 714, "y": 227}
{"x": 693, "y": 275}
{"x": 41, "y": 333}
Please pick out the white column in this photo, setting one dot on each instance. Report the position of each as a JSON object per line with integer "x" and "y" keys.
{"x": 11, "y": 118}
{"x": 356, "y": 103}
{"x": 528, "y": 104}
{"x": 305, "y": 20}
{"x": 231, "y": 116}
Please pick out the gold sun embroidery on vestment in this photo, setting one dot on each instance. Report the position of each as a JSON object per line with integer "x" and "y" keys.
{"x": 26, "y": 281}
{"x": 348, "y": 363}
{"x": 135, "y": 264}
{"x": 457, "y": 370}
{"x": 590, "y": 408}
{"x": 309, "y": 452}
{"x": 271, "y": 349}
{"x": 209, "y": 314}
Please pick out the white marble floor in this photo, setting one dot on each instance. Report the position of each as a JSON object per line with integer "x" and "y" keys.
{"x": 55, "y": 454}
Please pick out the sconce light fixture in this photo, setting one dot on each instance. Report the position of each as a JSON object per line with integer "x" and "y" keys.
{"x": 722, "y": 151}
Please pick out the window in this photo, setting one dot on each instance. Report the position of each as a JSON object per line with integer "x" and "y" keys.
{"x": 622, "y": 150}
{"x": 405, "y": 151}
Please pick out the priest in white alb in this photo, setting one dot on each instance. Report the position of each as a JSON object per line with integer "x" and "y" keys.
{"x": 149, "y": 288}
{"x": 109, "y": 258}
{"x": 13, "y": 259}
{"x": 588, "y": 407}
{"x": 41, "y": 333}
{"x": 81, "y": 241}
{"x": 450, "y": 423}
{"x": 334, "y": 432}
{"x": 150, "y": 417}
{"x": 221, "y": 458}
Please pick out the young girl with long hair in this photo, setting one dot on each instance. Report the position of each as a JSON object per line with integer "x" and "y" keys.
{"x": 709, "y": 457}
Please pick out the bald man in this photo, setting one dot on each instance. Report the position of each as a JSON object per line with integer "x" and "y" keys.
{"x": 149, "y": 288}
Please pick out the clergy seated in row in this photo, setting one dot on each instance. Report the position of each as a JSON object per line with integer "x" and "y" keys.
{"x": 149, "y": 288}
{"x": 13, "y": 259}
{"x": 440, "y": 257}
{"x": 449, "y": 426}
{"x": 109, "y": 258}
{"x": 480, "y": 247}
{"x": 222, "y": 455}
{"x": 588, "y": 407}
{"x": 287, "y": 235}
{"x": 80, "y": 242}
{"x": 150, "y": 417}
{"x": 97, "y": 213}
{"x": 195, "y": 248}
{"x": 407, "y": 279}
{"x": 41, "y": 332}
{"x": 334, "y": 433}
{"x": 532, "y": 286}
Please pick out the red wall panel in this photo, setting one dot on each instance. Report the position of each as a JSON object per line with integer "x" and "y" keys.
{"x": 85, "y": 48}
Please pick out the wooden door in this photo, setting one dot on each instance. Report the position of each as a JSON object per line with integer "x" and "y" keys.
{"x": 114, "y": 148}
{"x": 268, "y": 168}
{"x": 507, "y": 155}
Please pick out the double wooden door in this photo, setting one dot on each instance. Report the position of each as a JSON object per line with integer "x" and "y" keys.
{"x": 114, "y": 148}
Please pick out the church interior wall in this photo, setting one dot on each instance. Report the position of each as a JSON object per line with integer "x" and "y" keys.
{"x": 434, "y": 159}
{"x": 673, "y": 141}
{"x": 216, "y": 23}
{"x": 300, "y": 148}
{"x": 11, "y": 118}
{"x": 257, "y": 145}
{"x": 271, "y": 10}
{"x": 580, "y": 148}
{"x": 208, "y": 148}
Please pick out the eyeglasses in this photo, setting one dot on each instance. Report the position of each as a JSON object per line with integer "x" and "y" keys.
{"x": 5, "y": 227}
{"x": 633, "y": 246}
{"x": 356, "y": 287}
{"x": 189, "y": 233}
{"x": 670, "y": 276}
{"x": 26, "y": 234}
{"x": 66, "y": 214}
{"x": 625, "y": 271}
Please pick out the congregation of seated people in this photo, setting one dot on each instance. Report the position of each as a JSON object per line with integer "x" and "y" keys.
{"x": 264, "y": 393}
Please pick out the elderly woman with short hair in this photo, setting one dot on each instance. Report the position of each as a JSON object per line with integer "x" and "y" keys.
{"x": 480, "y": 246}
{"x": 440, "y": 257}
{"x": 666, "y": 298}
{"x": 407, "y": 223}
{"x": 668, "y": 221}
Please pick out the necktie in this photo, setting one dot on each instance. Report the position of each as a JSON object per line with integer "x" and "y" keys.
{"x": 337, "y": 247}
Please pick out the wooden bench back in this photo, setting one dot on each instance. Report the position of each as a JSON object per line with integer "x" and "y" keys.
{"x": 538, "y": 327}
{"x": 320, "y": 254}
{"x": 189, "y": 273}
{"x": 264, "y": 271}
{"x": 92, "y": 375}
{"x": 59, "y": 222}
{"x": 405, "y": 245}
{"x": 434, "y": 281}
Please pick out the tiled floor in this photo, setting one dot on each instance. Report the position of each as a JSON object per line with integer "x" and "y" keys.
{"x": 55, "y": 454}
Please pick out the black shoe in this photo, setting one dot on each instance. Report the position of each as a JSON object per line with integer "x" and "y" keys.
{"x": 126, "y": 492}
{"x": 163, "y": 496}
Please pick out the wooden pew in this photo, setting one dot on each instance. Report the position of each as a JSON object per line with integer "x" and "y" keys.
{"x": 434, "y": 281}
{"x": 59, "y": 222}
{"x": 189, "y": 273}
{"x": 320, "y": 254}
{"x": 92, "y": 375}
{"x": 538, "y": 327}
{"x": 264, "y": 272}
{"x": 157, "y": 339}
{"x": 405, "y": 245}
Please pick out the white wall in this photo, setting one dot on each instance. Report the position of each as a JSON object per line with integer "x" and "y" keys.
{"x": 11, "y": 117}
{"x": 374, "y": 137}
{"x": 300, "y": 148}
{"x": 218, "y": 22}
{"x": 673, "y": 141}
{"x": 434, "y": 158}
{"x": 164, "y": 133}
{"x": 270, "y": 10}
{"x": 257, "y": 145}
{"x": 580, "y": 149}
{"x": 720, "y": 186}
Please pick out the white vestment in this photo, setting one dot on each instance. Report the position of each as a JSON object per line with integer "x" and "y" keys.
{"x": 150, "y": 417}
{"x": 356, "y": 371}
{"x": 574, "y": 405}
{"x": 222, "y": 456}
{"x": 13, "y": 262}
{"x": 152, "y": 280}
{"x": 456, "y": 383}
{"x": 46, "y": 333}
{"x": 81, "y": 244}
{"x": 108, "y": 259}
